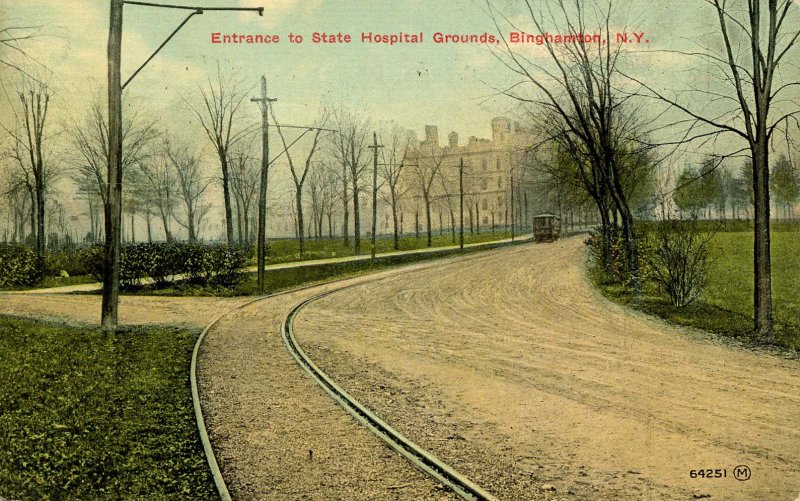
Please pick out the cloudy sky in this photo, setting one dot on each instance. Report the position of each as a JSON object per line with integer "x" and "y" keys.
{"x": 413, "y": 84}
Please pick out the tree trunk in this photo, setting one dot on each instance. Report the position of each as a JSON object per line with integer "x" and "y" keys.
{"x": 356, "y": 219}
{"x": 239, "y": 220}
{"x": 149, "y": 228}
{"x": 226, "y": 194}
{"x": 133, "y": 228}
{"x": 428, "y": 218}
{"x": 41, "y": 236}
{"x": 396, "y": 228}
{"x": 762, "y": 276}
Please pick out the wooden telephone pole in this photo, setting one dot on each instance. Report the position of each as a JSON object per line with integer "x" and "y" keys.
{"x": 461, "y": 200}
{"x": 113, "y": 207}
{"x": 374, "y": 149}
{"x": 261, "y": 244}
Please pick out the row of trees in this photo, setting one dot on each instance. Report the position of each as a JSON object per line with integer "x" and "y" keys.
{"x": 713, "y": 191}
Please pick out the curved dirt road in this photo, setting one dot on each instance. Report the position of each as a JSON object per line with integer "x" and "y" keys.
{"x": 513, "y": 369}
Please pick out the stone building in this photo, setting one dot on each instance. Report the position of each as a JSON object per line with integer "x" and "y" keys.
{"x": 488, "y": 168}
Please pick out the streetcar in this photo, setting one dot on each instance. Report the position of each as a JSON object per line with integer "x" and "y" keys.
{"x": 546, "y": 228}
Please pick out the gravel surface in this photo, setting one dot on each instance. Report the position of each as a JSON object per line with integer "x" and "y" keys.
{"x": 193, "y": 312}
{"x": 515, "y": 371}
{"x": 277, "y": 434}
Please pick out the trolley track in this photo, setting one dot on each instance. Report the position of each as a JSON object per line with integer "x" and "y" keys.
{"x": 416, "y": 455}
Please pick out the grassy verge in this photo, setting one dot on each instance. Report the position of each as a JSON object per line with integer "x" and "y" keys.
{"x": 726, "y": 304}
{"x": 86, "y": 414}
{"x": 283, "y": 279}
{"x": 288, "y": 250}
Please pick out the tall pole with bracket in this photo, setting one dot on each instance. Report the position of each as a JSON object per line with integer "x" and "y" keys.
{"x": 374, "y": 149}
{"x": 109, "y": 311}
{"x": 261, "y": 244}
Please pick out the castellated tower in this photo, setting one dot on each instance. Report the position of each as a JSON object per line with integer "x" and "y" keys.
{"x": 501, "y": 129}
{"x": 432, "y": 135}
{"x": 452, "y": 139}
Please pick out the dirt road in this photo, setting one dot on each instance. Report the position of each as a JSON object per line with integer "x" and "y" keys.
{"x": 514, "y": 370}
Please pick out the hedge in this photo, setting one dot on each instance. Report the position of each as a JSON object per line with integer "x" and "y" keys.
{"x": 165, "y": 262}
{"x": 19, "y": 265}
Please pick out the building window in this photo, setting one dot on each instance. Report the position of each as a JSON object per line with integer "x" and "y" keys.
{"x": 499, "y": 183}
{"x": 484, "y": 164}
{"x": 484, "y": 184}
{"x": 485, "y": 221}
{"x": 485, "y": 204}
{"x": 498, "y": 164}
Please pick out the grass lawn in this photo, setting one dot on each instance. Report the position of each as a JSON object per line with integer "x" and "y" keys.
{"x": 287, "y": 250}
{"x": 86, "y": 414}
{"x": 726, "y": 304}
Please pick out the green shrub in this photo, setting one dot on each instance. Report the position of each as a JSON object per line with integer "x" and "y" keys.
{"x": 677, "y": 258}
{"x": 164, "y": 262}
{"x": 19, "y": 265}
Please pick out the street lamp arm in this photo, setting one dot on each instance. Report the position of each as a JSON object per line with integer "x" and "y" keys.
{"x": 160, "y": 46}
{"x": 196, "y": 10}
{"x": 260, "y": 10}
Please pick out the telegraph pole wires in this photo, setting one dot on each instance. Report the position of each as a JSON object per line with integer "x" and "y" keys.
{"x": 261, "y": 244}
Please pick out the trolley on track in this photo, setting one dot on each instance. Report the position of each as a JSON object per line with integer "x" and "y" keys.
{"x": 546, "y": 228}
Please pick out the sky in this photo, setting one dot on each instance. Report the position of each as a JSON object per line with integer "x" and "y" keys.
{"x": 449, "y": 85}
{"x": 412, "y": 84}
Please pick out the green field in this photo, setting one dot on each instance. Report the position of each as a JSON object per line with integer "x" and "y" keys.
{"x": 726, "y": 304}
{"x": 287, "y": 250}
{"x": 85, "y": 414}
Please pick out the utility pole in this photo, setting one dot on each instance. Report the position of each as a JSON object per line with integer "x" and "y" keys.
{"x": 374, "y": 149}
{"x": 512, "y": 205}
{"x": 261, "y": 244}
{"x": 113, "y": 209}
{"x": 461, "y": 199}
{"x": 109, "y": 310}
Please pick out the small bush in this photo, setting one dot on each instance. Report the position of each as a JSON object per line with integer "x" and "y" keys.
{"x": 613, "y": 265}
{"x": 677, "y": 259}
{"x": 19, "y": 265}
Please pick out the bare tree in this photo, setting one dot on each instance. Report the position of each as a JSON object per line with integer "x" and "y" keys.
{"x": 429, "y": 158}
{"x": 322, "y": 185}
{"x": 31, "y": 139}
{"x": 577, "y": 92}
{"x": 395, "y": 156}
{"x": 222, "y": 103}
{"x": 300, "y": 173}
{"x": 88, "y": 138}
{"x": 350, "y": 149}
{"x": 192, "y": 185}
{"x": 244, "y": 184}
{"x": 155, "y": 174}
